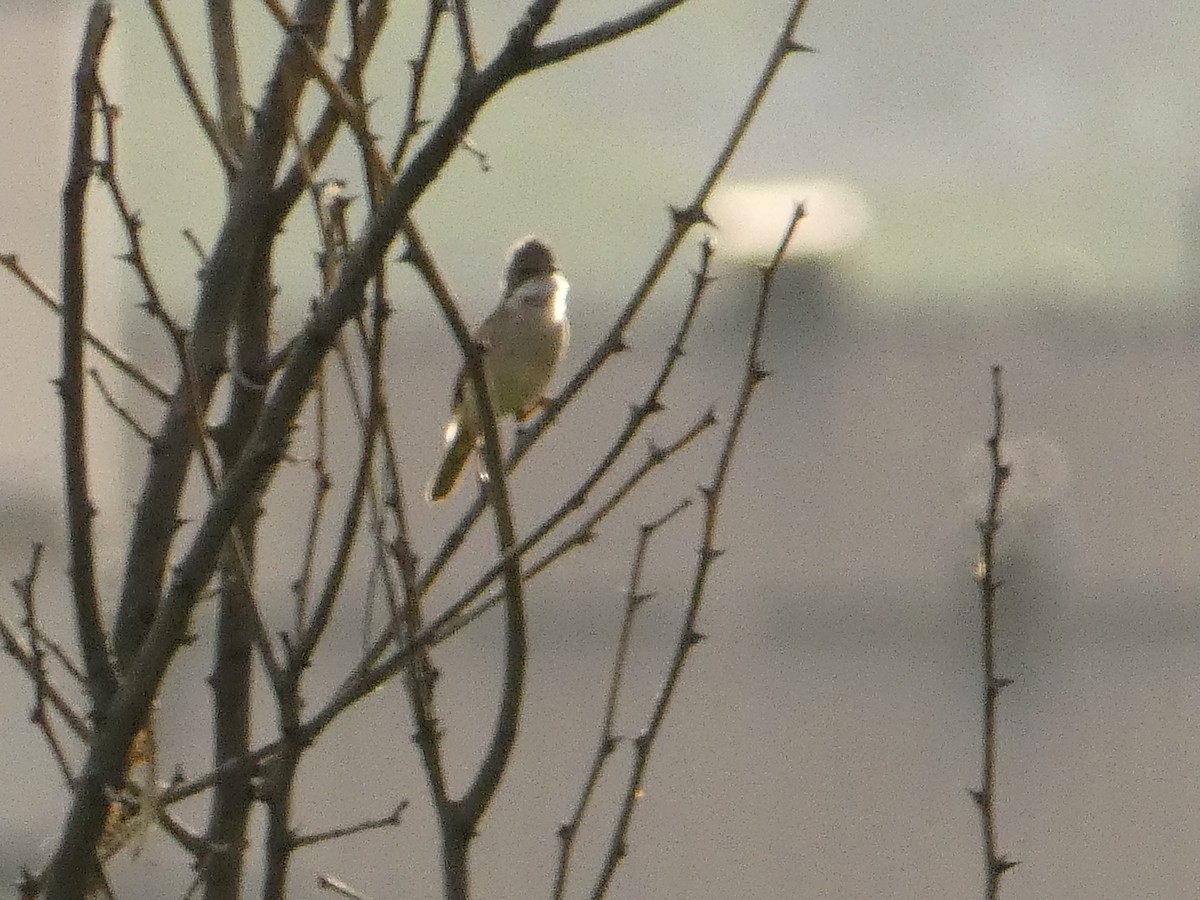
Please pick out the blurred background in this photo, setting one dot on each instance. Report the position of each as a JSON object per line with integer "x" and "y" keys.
{"x": 1013, "y": 184}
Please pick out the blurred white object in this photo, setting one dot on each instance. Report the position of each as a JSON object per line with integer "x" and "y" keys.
{"x": 751, "y": 217}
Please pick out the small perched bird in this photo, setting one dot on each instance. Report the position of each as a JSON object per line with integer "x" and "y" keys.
{"x": 523, "y": 339}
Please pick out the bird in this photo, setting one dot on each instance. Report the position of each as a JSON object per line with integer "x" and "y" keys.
{"x": 522, "y": 341}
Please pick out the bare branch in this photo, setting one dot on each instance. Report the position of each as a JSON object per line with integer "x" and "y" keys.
{"x": 80, "y": 511}
{"x": 292, "y": 185}
{"x": 413, "y": 122}
{"x": 458, "y": 616}
{"x": 224, "y": 282}
{"x": 150, "y": 627}
{"x": 132, "y": 223}
{"x": 24, "y": 658}
{"x": 115, "y": 405}
{"x": 227, "y": 72}
{"x": 564, "y": 48}
{"x": 129, "y": 369}
{"x": 390, "y": 820}
{"x": 466, "y": 40}
{"x": 462, "y": 817}
{"x": 995, "y": 863}
{"x": 38, "y": 676}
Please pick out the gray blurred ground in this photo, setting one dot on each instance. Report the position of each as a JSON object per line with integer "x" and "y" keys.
{"x": 825, "y": 735}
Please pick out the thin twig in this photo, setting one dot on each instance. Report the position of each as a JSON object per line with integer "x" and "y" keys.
{"x": 132, "y": 223}
{"x": 634, "y": 598}
{"x": 333, "y": 834}
{"x": 369, "y": 24}
{"x": 115, "y": 405}
{"x": 129, "y": 369}
{"x": 466, "y": 40}
{"x": 216, "y": 139}
{"x": 39, "y": 678}
{"x": 995, "y": 862}
{"x": 689, "y": 636}
{"x": 177, "y": 336}
{"x": 12, "y": 646}
{"x": 413, "y": 122}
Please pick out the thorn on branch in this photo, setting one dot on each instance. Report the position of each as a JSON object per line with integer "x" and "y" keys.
{"x": 689, "y": 216}
{"x": 617, "y": 344}
{"x": 1002, "y": 864}
{"x": 794, "y": 46}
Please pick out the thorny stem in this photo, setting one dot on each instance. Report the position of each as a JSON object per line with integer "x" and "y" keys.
{"x": 995, "y": 863}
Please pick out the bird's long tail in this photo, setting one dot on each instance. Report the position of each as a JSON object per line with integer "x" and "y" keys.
{"x": 454, "y": 460}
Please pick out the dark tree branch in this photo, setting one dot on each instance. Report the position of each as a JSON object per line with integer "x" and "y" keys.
{"x": 80, "y": 511}
{"x": 227, "y": 72}
{"x": 238, "y": 622}
{"x": 24, "y": 658}
{"x": 591, "y": 38}
{"x": 224, "y": 283}
{"x": 320, "y": 141}
{"x": 148, "y": 632}
{"x": 995, "y": 863}
{"x": 389, "y": 821}
{"x": 135, "y": 255}
{"x": 458, "y": 616}
{"x": 413, "y": 122}
{"x": 466, "y": 39}
{"x": 461, "y": 818}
